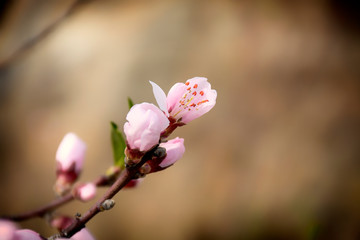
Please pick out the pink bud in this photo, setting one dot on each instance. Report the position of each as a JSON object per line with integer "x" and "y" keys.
{"x": 145, "y": 122}
{"x": 186, "y": 101}
{"x": 26, "y": 234}
{"x": 70, "y": 154}
{"x": 61, "y": 222}
{"x": 85, "y": 192}
{"x": 70, "y": 158}
{"x": 83, "y": 234}
{"x": 7, "y": 230}
{"x": 134, "y": 183}
{"x": 174, "y": 151}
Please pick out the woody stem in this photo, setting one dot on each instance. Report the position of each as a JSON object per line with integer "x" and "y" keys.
{"x": 40, "y": 212}
{"x": 125, "y": 176}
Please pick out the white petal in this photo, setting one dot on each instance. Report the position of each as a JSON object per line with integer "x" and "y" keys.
{"x": 160, "y": 97}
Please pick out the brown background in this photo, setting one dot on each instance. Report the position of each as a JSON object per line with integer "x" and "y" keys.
{"x": 277, "y": 157}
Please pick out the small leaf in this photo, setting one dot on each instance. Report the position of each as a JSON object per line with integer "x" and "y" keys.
{"x": 130, "y": 102}
{"x": 118, "y": 145}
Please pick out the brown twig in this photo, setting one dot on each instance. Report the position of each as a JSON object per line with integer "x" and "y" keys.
{"x": 40, "y": 212}
{"x": 33, "y": 41}
{"x": 125, "y": 176}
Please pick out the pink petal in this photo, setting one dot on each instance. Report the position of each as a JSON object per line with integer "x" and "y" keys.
{"x": 174, "y": 151}
{"x": 71, "y": 150}
{"x": 86, "y": 192}
{"x": 160, "y": 97}
{"x": 26, "y": 234}
{"x": 175, "y": 94}
{"x": 7, "y": 230}
{"x": 83, "y": 234}
{"x": 144, "y": 126}
{"x": 197, "y": 99}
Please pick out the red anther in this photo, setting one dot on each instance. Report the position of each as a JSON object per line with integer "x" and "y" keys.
{"x": 187, "y": 83}
{"x": 201, "y": 102}
{"x": 193, "y": 105}
{"x": 188, "y": 88}
{"x": 195, "y": 86}
{"x": 194, "y": 93}
{"x": 201, "y": 93}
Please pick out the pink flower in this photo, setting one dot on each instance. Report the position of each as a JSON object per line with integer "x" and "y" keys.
{"x": 9, "y": 231}
{"x": 174, "y": 151}
{"x": 26, "y": 234}
{"x": 71, "y": 153}
{"x": 85, "y": 192}
{"x": 145, "y": 122}
{"x": 134, "y": 183}
{"x": 70, "y": 159}
{"x": 83, "y": 234}
{"x": 186, "y": 101}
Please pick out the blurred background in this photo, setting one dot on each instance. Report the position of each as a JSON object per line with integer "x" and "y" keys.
{"x": 276, "y": 158}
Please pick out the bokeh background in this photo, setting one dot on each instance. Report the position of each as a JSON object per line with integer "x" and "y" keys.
{"x": 277, "y": 157}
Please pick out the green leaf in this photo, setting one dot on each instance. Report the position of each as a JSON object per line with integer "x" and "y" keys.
{"x": 130, "y": 102}
{"x": 118, "y": 145}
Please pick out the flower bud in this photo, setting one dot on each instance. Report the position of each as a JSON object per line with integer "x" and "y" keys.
{"x": 134, "y": 183}
{"x": 107, "y": 205}
{"x": 70, "y": 158}
{"x": 83, "y": 234}
{"x": 61, "y": 222}
{"x": 174, "y": 151}
{"x": 26, "y": 234}
{"x": 85, "y": 192}
{"x": 7, "y": 230}
{"x": 145, "y": 122}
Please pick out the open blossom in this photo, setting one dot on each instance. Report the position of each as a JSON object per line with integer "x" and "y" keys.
{"x": 145, "y": 122}
{"x": 186, "y": 101}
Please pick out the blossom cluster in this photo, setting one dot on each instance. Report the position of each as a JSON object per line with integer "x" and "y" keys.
{"x": 146, "y": 129}
{"x": 149, "y": 126}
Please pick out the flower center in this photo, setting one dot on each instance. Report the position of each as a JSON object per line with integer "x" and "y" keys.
{"x": 191, "y": 100}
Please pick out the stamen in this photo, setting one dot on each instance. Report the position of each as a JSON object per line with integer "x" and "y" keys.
{"x": 187, "y": 83}
{"x": 189, "y": 88}
{"x": 201, "y": 102}
{"x": 194, "y": 93}
{"x": 202, "y": 93}
{"x": 195, "y": 86}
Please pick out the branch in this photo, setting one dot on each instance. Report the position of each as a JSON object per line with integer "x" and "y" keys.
{"x": 33, "y": 41}
{"x": 40, "y": 212}
{"x": 125, "y": 176}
